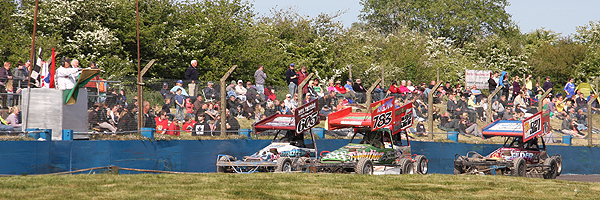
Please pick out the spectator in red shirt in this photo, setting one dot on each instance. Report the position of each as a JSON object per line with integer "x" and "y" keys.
{"x": 163, "y": 126}
{"x": 393, "y": 88}
{"x": 270, "y": 93}
{"x": 188, "y": 125}
{"x": 340, "y": 89}
{"x": 301, "y": 76}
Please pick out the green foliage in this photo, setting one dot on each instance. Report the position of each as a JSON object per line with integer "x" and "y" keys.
{"x": 460, "y": 20}
{"x": 559, "y": 60}
{"x": 397, "y": 40}
{"x": 589, "y": 36}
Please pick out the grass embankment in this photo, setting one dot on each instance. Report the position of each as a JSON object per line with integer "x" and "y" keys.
{"x": 291, "y": 186}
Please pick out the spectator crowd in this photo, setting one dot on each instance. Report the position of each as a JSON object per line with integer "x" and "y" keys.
{"x": 199, "y": 114}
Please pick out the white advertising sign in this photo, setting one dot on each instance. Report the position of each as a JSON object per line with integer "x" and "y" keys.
{"x": 477, "y": 77}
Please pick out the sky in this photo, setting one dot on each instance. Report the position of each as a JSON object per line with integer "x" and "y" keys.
{"x": 561, "y": 16}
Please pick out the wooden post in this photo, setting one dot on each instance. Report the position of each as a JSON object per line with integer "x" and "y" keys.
{"x": 589, "y": 118}
{"x": 300, "y": 86}
{"x": 350, "y": 72}
{"x": 430, "y": 109}
{"x": 490, "y": 102}
{"x": 541, "y": 101}
{"x": 139, "y": 78}
{"x": 370, "y": 95}
{"x": 223, "y": 105}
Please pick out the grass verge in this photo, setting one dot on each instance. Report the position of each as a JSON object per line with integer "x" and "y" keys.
{"x": 290, "y": 186}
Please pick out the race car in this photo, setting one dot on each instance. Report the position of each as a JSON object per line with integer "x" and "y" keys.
{"x": 521, "y": 155}
{"x": 282, "y": 155}
{"x": 381, "y": 149}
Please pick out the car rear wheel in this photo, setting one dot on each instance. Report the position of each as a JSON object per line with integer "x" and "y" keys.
{"x": 422, "y": 165}
{"x": 222, "y": 169}
{"x": 518, "y": 167}
{"x": 284, "y": 164}
{"x": 554, "y": 167}
{"x": 406, "y": 165}
{"x": 458, "y": 169}
{"x": 364, "y": 166}
{"x": 559, "y": 163}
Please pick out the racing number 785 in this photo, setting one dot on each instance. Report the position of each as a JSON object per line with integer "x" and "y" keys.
{"x": 383, "y": 119}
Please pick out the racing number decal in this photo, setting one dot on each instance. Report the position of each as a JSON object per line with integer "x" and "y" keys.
{"x": 307, "y": 122}
{"x": 382, "y": 120}
{"x": 406, "y": 121}
{"x": 532, "y": 126}
{"x": 535, "y": 126}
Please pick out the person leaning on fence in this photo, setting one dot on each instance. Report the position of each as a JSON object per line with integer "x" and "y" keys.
{"x": 179, "y": 85}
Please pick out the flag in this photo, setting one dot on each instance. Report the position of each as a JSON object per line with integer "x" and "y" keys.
{"x": 45, "y": 76}
{"x": 70, "y": 95}
{"x": 35, "y": 71}
{"x": 52, "y": 70}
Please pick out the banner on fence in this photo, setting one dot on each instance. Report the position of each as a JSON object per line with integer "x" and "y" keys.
{"x": 477, "y": 77}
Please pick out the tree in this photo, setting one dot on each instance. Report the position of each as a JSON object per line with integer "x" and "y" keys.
{"x": 459, "y": 20}
{"x": 589, "y": 36}
{"x": 7, "y": 29}
{"x": 559, "y": 60}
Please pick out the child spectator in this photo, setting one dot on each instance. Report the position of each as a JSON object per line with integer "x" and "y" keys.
{"x": 188, "y": 125}
{"x": 189, "y": 108}
{"x": 179, "y": 101}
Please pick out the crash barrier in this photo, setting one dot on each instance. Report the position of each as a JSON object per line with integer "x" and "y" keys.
{"x": 453, "y": 135}
{"x": 33, "y": 157}
{"x": 567, "y": 139}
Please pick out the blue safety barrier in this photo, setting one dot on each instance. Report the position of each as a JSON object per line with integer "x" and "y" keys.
{"x": 31, "y": 157}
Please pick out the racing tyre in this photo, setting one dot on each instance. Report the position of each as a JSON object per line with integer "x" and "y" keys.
{"x": 284, "y": 164}
{"x": 458, "y": 169}
{"x": 406, "y": 165}
{"x": 364, "y": 166}
{"x": 518, "y": 167}
{"x": 559, "y": 162}
{"x": 553, "y": 171}
{"x": 221, "y": 169}
{"x": 422, "y": 165}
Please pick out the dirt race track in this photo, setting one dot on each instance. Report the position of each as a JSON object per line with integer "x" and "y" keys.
{"x": 580, "y": 177}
